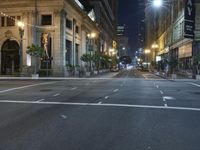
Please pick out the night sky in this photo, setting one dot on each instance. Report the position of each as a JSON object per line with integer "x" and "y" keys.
{"x": 130, "y": 15}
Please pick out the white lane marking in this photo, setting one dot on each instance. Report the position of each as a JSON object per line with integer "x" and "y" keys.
{"x": 74, "y": 88}
{"x": 165, "y": 105}
{"x": 168, "y": 98}
{"x": 99, "y": 102}
{"x": 194, "y": 84}
{"x": 40, "y": 100}
{"x": 107, "y": 97}
{"x": 27, "y": 86}
{"x": 116, "y": 90}
{"x": 56, "y": 95}
{"x": 154, "y": 83}
{"x": 102, "y": 105}
{"x": 157, "y": 86}
{"x": 63, "y": 116}
{"x": 161, "y": 92}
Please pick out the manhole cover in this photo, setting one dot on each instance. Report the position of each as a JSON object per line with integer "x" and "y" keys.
{"x": 45, "y": 90}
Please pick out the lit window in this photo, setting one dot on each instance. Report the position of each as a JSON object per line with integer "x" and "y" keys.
{"x": 10, "y": 21}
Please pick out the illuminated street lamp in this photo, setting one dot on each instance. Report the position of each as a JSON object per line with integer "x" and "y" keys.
{"x": 154, "y": 46}
{"x": 20, "y": 25}
{"x": 147, "y": 51}
{"x": 91, "y": 36}
{"x": 157, "y": 3}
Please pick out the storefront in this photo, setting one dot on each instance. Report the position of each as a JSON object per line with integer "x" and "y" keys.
{"x": 185, "y": 57}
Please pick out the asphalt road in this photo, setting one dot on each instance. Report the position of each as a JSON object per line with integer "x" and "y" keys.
{"x": 132, "y": 111}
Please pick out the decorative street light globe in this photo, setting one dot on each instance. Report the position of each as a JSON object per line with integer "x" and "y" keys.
{"x": 20, "y": 24}
{"x": 157, "y": 3}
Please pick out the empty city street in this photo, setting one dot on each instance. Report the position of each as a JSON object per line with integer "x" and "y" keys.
{"x": 137, "y": 112}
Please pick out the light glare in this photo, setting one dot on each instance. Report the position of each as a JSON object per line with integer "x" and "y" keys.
{"x": 157, "y": 3}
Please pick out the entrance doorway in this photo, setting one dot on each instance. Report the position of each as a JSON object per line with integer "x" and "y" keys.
{"x": 10, "y": 57}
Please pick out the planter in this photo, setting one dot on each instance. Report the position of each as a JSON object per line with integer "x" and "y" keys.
{"x": 198, "y": 77}
{"x": 95, "y": 72}
{"x": 173, "y": 76}
{"x": 35, "y": 76}
{"x": 88, "y": 74}
{"x": 68, "y": 73}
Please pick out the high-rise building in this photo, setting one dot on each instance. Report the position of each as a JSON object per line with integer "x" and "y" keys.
{"x": 122, "y": 41}
{"x": 173, "y": 33}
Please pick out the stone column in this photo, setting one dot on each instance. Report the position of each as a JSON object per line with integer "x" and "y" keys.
{"x": 59, "y": 43}
{"x": 74, "y": 41}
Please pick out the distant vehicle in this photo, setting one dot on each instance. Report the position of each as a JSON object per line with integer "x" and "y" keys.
{"x": 114, "y": 68}
{"x": 125, "y": 59}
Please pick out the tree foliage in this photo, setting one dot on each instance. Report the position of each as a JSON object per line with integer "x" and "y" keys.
{"x": 36, "y": 51}
{"x": 86, "y": 57}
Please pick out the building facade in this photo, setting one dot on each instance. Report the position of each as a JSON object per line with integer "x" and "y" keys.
{"x": 122, "y": 41}
{"x": 60, "y": 26}
{"x": 176, "y": 32}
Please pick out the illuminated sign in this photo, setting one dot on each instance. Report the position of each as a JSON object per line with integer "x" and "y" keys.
{"x": 92, "y": 16}
{"x": 79, "y": 4}
{"x": 189, "y": 15}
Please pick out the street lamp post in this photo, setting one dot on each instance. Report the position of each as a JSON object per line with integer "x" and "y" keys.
{"x": 147, "y": 51}
{"x": 20, "y": 24}
{"x": 91, "y": 36}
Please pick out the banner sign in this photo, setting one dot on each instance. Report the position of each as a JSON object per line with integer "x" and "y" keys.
{"x": 189, "y": 16}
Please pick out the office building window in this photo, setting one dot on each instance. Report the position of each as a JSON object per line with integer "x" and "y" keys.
{"x": 68, "y": 23}
{"x": 77, "y": 54}
{"x": 46, "y": 20}
{"x": 10, "y": 21}
{"x": 77, "y": 29}
{"x": 2, "y": 21}
{"x": 18, "y": 17}
{"x": 68, "y": 52}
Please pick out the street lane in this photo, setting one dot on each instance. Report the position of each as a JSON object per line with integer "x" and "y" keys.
{"x": 108, "y": 114}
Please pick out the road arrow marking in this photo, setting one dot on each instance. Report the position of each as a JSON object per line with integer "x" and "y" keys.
{"x": 161, "y": 92}
{"x": 116, "y": 90}
{"x": 56, "y": 95}
{"x": 107, "y": 97}
{"x": 74, "y": 88}
{"x": 63, "y": 116}
{"x": 168, "y": 98}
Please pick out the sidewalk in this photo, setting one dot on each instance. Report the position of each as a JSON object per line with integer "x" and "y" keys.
{"x": 174, "y": 77}
{"x": 99, "y": 76}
